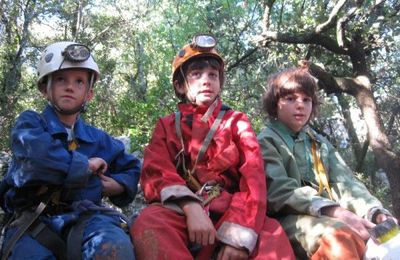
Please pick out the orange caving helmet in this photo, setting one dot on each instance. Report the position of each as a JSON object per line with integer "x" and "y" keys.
{"x": 203, "y": 45}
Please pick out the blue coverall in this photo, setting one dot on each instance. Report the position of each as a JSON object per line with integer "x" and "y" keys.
{"x": 41, "y": 157}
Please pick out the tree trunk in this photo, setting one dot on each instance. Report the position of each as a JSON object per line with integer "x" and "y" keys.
{"x": 11, "y": 72}
{"x": 384, "y": 155}
{"x": 359, "y": 88}
{"x": 379, "y": 142}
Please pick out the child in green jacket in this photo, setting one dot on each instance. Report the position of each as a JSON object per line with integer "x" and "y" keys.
{"x": 324, "y": 210}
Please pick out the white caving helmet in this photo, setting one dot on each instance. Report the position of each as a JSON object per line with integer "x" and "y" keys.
{"x": 65, "y": 55}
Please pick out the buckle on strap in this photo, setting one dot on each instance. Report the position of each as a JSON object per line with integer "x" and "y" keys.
{"x": 209, "y": 192}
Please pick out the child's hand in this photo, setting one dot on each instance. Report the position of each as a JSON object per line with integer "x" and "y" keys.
{"x": 97, "y": 165}
{"x": 229, "y": 252}
{"x": 200, "y": 228}
{"x": 382, "y": 217}
{"x": 110, "y": 186}
{"x": 354, "y": 222}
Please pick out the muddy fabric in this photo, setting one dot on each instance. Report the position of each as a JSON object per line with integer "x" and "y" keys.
{"x": 232, "y": 161}
{"x": 343, "y": 243}
{"x": 161, "y": 233}
{"x": 102, "y": 239}
{"x": 305, "y": 231}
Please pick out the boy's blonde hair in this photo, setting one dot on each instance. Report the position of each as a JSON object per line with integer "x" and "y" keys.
{"x": 289, "y": 81}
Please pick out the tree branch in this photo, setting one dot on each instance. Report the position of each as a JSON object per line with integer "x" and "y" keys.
{"x": 104, "y": 31}
{"x": 332, "y": 18}
{"x": 302, "y": 38}
{"x": 341, "y": 25}
{"x": 373, "y": 8}
{"x": 245, "y": 56}
{"x": 330, "y": 83}
{"x": 310, "y": 36}
{"x": 266, "y": 15}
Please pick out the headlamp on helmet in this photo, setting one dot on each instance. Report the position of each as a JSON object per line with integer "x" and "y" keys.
{"x": 203, "y": 42}
{"x": 75, "y": 53}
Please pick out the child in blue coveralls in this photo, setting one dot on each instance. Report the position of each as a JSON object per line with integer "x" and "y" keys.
{"x": 62, "y": 168}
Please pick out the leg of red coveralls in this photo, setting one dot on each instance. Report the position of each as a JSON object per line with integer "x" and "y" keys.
{"x": 343, "y": 243}
{"x": 160, "y": 233}
{"x": 272, "y": 243}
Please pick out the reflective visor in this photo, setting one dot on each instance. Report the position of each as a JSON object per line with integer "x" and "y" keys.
{"x": 204, "y": 41}
{"x": 76, "y": 53}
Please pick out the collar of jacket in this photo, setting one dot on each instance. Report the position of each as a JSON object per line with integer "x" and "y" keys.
{"x": 55, "y": 126}
{"x": 188, "y": 108}
{"x": 288, "y": 136}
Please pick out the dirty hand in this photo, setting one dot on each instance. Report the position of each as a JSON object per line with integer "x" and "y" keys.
{"x": 228, "y": 252}
{"x": 382, "y": 217}
{"x": 110, "y": 186}
{"x": 200, "y": 228}
{"x": 97, "y": 166}
{"x": 359, "y": 225}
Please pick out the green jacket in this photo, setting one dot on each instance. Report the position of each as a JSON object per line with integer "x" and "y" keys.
{"x": 292, "y": 181}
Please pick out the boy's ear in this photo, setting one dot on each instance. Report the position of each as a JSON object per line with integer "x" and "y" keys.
{"x": 90, "y": 94}
{"x": 43, "y": 90}
{"x": 180, "y": 88}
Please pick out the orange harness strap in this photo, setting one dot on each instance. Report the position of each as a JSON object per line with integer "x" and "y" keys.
{"x": 321, "y": 172}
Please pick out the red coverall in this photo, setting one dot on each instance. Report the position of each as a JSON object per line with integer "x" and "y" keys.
{"x": 232, "y": 160}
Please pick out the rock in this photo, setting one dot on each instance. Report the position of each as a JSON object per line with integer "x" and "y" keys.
{"x": 5, "y": 159}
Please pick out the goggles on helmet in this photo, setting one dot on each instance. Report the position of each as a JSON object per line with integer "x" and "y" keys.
{"x": 76, "y": 53}
{"x": 203, "y": 41}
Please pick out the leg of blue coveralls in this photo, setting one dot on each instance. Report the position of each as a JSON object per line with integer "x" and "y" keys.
{"x": 27, "y": 248}
{"x": 104, "y": 238}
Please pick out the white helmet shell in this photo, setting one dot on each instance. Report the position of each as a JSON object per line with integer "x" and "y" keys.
{"x": 52, "y": 60}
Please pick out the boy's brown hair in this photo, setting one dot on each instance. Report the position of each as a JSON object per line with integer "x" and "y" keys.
{"x": 198, "y": 63}
{"x": 289, "y": 81}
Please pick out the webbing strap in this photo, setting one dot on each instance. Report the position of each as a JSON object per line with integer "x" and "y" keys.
{"x": 49, "y": 239}
{"x": 209, "y": 137}
{"x": 205, "y": 144}
{"x": 323, "y": 182}
{"x": 74, "y": 239}
{"x": 178, "y": 128}
{"x": 25, "y": 221}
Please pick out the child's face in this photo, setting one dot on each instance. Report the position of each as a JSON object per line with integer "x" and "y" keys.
{"x": 69, "y": 89}
{"x": 203, "y": 86}
{"x": 294, "y": 110}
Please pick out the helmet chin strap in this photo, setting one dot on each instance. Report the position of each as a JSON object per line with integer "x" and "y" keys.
{"x": 80, "y": 109}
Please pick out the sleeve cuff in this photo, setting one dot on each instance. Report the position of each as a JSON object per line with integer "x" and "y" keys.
{"x": 237, "y": 236}
{"x": 78, "y": 174}
{"x": 318, "y": 204}
{"x": 373, "y": 212}
{"x": 172, "y": 193}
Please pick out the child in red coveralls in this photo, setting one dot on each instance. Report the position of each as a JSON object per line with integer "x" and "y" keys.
{"x": 203, "y": 174}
